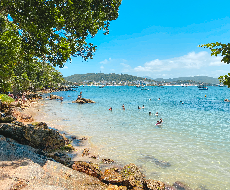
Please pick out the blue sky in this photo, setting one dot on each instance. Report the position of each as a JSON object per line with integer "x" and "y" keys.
{"x": 160, "y": 39}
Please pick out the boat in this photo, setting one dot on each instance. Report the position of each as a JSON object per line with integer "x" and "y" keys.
{"x": 143, "y": 88}
{"x": 202, "y": 87}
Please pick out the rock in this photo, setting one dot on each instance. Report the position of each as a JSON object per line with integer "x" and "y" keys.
{"x": 83, "y": 101}
{"x": 52, "y": 96}
{"x": 87, "y": 168}
{"x": 169, "y": 187}
{"x": 181, "y": 186}
{"x": 7, "y": 119}
{"x": 60, "y": 157}
{"x": 132, "y": 177}
{"x": 154, "y": 185}
{"x": 37, "y": 136}
{"x": 107, "y": 161}
{"x": 159, "y": 163}
{"x": 85, "y": 152}
{"x": 112, "y": 176}
{"x": 115, "y": 187}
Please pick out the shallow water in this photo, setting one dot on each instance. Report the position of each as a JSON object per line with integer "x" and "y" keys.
{"x": 192, "y": 145}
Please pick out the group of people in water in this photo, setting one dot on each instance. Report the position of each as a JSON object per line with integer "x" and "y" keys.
{"x": 143, "y": 107}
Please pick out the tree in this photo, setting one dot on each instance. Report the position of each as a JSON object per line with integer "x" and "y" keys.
{"x": 223, "y": 50}
{"x": 38, "y": 34}
{"x": 55, "y": 30}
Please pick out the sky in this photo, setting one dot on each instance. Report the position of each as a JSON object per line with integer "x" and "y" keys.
{"x": 160, "y": 39}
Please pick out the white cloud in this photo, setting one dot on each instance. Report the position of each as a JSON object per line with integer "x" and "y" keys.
{"x": 106, "y": 61}
{"x": 125, "y": 65}
{"x": 101, "y": 67}
{"x": 190, "y": 61}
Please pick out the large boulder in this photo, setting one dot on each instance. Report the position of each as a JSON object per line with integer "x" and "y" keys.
{"x": 7, "y": 119}
{"x": 83, "y": 101}
{"x": 112, "y": 176}
{"x": 132, "y": 177}
{"x": 87, "y": 168}
{"x": 38, "y": 136}
{"x": 52, "y": 96}
{"x": 154, "y": 185}
{"x": 181, "y": 186}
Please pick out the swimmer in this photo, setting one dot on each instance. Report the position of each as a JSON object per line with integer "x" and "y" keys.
{"x": 143, "y": 107}
{"x": 159, "y": 99}
{"x": 158, "y": 123}
{"x": 150, "y": 113}
{"x": 123, "y": 106}
{"x": 110, "y": 108}
{"x": 61, "y": 99}
{"x": 161, "y": 121}
{"x": 156, "y": 114}
{"x": 139, "y": 107}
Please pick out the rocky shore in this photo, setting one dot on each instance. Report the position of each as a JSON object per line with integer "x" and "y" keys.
{"x": 33, "y": 156}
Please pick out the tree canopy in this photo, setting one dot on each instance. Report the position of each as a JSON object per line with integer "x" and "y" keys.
{"x": 35, "y": 33}
{"x": 53, "y": 30}
{"x": 223, "y": 50}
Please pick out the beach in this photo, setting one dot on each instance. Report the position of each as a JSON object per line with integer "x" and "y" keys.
{"x": 105, "y": 134}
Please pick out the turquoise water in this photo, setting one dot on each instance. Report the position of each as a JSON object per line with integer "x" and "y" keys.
{"x": 192, "y": 145}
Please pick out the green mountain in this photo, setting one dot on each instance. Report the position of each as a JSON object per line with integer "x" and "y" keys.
{"x": 204, "y": 79}
{"x": 103, "y": 77}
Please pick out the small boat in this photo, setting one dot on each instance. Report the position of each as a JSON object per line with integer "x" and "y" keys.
{"x": 202, "y": 87}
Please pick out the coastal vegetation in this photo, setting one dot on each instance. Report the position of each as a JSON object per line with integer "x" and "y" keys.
{"x": 111, "y": 78}
{"x": 223, "y": 50}
{"x": 37, "y": 35}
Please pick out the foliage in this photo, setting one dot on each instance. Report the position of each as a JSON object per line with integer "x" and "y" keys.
{"x": 55, "y": 30}
{"x": 36, "y": 35}
{"x": 6, "y": 98}
{"x": 223, "y": 50}
{"x": 103, "y": 77}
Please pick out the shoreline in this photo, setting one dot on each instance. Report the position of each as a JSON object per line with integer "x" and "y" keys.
{"x": 40, "y": 116}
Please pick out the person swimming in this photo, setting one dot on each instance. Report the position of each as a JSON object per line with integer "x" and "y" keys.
{"x": 110, "y": 108}
{"x": 139, "y": 107}
{"x": 156, "y": 113}
{"x": 143, "y": 107}
{"x": 123, "y": 106}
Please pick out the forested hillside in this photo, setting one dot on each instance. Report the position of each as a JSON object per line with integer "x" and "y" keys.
{"x": 103, "y": 77}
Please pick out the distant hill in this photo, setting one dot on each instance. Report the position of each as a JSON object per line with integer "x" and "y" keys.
{"x": 204, "y": 79}
{"x": 103, "y": 77}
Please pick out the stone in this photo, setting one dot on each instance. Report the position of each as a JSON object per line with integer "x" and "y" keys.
{"x": 85, "y": 152}
{"x": 132, "y": 177}
{"x": 83, "y": 101}
{"x": 154, "y": 185}
{"x": 52, "y": 96}
{"x": 115, "y": 187}
{"x": 112, "y": 176}
{"x": 87, "y": 168}
{"x": 60, "y": 157}
{"x": 107, "y": 161}
{"x": 169, "y": 187}
{"x": 181, "y": 186}
{"x": 7, "y": 119}
{"x": 37, "y": 136}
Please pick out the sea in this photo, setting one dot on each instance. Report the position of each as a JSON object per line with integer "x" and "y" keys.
{"x": 192, "y": 145}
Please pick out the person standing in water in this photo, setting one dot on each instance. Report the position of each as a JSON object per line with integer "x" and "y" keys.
{"x": 123, "y": 106}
